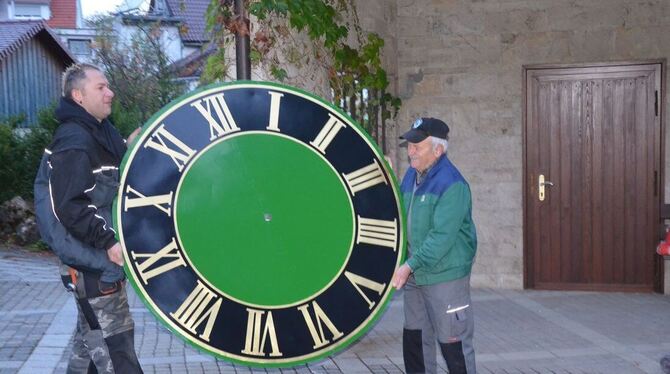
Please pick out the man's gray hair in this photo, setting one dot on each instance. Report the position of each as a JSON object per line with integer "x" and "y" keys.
{"x": 74, "y": 76}
{"x": 439, "y": 142}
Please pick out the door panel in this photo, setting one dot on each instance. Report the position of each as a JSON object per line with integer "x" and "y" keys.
{"x": 594, "y": 133}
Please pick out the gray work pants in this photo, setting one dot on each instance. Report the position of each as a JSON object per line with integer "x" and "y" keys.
{"x": 443, "y": 310}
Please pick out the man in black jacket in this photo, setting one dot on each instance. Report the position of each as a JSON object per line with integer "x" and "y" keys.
{"x": 74, "y": 190}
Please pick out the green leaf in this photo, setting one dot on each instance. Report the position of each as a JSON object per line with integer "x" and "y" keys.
{"x": 255, "y": 56}
{"x": 279, "y": 73}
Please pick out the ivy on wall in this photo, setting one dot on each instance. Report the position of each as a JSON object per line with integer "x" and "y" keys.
{"x": 352, "y": 59}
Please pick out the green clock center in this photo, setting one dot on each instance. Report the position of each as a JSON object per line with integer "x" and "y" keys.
{"x": 264, "y": 219}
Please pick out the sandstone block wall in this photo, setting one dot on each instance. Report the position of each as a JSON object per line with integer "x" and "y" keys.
{"x": 380, "y": 17}
{"x": 461, "y": 60}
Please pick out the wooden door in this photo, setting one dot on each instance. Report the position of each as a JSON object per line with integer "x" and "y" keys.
{"x": 594, "y": 133}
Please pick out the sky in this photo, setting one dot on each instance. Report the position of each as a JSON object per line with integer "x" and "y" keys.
{"x": 92, "y": 7}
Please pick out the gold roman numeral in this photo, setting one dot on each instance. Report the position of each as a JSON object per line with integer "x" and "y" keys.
{"x": 358, "y": 281}
{"x": 273, "y": 124}
{"x": 365, "y": 177}
{"x": 157, "y": 200}
{"x": 377, "y": 232}
{"x": 181, "y": 154}
{"x": 196, "y": 308}
{"x": 169, "y": 251}
{"x": 327, "y": 134}
{"x": 321, "y": 318}
{"x": 257, "y": 334}
{"x": 226, "y": 122}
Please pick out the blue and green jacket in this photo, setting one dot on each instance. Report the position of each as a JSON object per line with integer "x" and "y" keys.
{"x": 442, "y": 236}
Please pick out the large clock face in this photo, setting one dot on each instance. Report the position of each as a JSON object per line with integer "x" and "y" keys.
{"x": 259, "y": 223}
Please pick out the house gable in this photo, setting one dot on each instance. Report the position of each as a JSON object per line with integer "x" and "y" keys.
{"x": 32, "y": 61}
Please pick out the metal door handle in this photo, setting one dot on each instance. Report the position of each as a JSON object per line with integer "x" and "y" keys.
{"x": 541, "y": 184}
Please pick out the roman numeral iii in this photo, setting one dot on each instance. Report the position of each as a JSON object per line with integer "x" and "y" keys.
{"x": 365, "y": 177}
{"x": 377, "y": 232}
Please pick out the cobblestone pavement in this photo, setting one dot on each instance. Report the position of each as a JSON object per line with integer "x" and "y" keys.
{"x": 516, "y": 331}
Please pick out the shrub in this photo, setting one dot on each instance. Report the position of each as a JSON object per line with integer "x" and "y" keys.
{"x": 21, "y": 150}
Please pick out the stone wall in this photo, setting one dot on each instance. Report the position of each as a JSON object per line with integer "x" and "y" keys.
{"x": 380, "y": 17}
{"x": 461, "y": 60}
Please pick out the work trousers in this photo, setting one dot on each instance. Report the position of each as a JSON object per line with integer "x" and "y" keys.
{"x": 104, "y": 337}
{"x": 441, "y": 311}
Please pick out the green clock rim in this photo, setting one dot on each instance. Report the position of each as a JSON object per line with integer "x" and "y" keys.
{"x": 362, "y": 329}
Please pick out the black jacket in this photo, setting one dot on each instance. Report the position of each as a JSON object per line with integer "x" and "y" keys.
{"x": 75, "y": 188}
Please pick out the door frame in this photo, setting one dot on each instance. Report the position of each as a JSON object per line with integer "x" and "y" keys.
{"x": 528, "y": 281}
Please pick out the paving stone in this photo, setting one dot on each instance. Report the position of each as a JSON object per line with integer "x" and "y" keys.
{"x": 525, "y": 332}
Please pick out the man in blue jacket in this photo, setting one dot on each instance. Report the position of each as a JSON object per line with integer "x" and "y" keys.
{"x": 442, "y": 245}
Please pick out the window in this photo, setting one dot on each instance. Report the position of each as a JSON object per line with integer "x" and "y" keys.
{"x": 27, "y": 11}
{"x": 80, "y": 47}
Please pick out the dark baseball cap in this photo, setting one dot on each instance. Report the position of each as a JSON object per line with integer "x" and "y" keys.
{"x": 425, "y": 127}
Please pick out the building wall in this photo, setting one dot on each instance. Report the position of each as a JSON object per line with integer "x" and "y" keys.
{"x": 63, "y": 14}
{"x": 461, "y": 60}
{"x": 170, "y": 39}
{"x": 30, "y": 79}
{"x": 3, "y": 9}
{"x": 83, "y": 35}
{"x": 380, "y": 17}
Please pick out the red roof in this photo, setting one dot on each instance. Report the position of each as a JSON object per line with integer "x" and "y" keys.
{"x": 63, "y": 14}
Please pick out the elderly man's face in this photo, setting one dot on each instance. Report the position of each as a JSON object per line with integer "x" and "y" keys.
{"x": 95, "y": 95}
{"x": 422, "y": 154}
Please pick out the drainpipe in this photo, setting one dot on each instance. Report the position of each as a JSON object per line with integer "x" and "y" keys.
{"x": 242, "y": 43}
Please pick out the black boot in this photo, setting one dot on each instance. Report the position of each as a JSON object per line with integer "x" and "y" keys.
{"x": 412, "y": 351}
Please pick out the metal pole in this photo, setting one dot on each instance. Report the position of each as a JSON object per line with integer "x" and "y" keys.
{"x": 242, "y": 43}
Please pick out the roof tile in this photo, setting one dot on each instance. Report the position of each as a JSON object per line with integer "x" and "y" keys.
{"x": 14, "y": 33}
{"x": 192, "y": 13}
